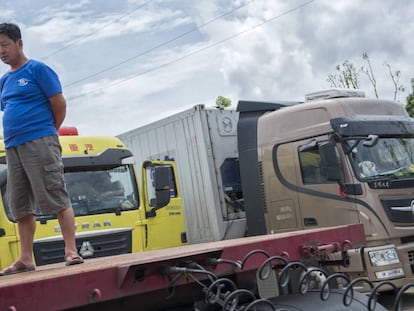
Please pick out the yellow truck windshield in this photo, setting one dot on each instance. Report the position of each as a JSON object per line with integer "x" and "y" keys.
{"x": 97, "y": 191}
{"x": 102, "y": 191}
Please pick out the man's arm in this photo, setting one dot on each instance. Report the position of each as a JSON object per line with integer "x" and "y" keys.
{"x": 58, "y": 104}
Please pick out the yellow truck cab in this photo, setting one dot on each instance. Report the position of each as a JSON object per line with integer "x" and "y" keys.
{"x": 113, "y": 215}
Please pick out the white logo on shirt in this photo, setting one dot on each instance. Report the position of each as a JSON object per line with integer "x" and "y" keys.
{"x": 23, "y": 82}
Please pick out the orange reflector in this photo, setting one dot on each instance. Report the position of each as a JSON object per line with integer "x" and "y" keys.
{"x": 68, "y": 131}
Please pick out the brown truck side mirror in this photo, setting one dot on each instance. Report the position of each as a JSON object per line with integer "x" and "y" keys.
{"x": 331, "y": 166}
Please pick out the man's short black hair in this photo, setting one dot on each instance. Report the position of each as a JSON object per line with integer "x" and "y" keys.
{"x": 10, "y": 30}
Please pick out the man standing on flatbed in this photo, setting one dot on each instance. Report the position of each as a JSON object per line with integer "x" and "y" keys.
{"x": 34, "y": 109}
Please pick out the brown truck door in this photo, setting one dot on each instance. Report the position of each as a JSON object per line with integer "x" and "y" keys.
{"x": 320, "y": 200}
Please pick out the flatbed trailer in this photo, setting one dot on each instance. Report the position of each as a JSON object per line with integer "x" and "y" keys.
{"x": 209, "y": 274}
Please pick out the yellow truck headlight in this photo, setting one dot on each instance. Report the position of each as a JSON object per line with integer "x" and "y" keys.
{"x": 383, "y": 257}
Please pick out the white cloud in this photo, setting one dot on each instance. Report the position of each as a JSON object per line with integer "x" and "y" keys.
{"x": 263, "y": 51}
{"x": 84, "y": 26}
{"x": 7, "y": 15}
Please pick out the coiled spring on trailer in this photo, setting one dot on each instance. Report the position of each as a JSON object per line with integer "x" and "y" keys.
{"x": 224, "y": 292}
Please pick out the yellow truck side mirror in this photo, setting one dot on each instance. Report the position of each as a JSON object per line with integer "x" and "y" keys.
{"x": 162, "y": 186}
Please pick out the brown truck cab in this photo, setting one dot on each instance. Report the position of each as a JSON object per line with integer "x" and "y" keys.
{"x": 338, "y": 158}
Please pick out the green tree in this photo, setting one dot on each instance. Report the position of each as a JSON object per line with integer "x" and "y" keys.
{"x": 222, "y": 102}
{"x": 348, "y": 76}
{"x": 410, "y": 101}
{"x": 395, "y": 77}
{"x": 369, "y": 72}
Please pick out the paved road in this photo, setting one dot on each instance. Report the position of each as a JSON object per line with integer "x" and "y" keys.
{"x": 407, "y": 302}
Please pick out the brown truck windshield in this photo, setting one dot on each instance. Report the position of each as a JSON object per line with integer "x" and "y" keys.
{"x": 388, "y": 157}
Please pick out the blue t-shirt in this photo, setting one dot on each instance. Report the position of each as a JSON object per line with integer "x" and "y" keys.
{"x": 24, "y": 99}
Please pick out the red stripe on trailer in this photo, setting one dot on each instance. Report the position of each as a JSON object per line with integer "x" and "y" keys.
{"x": 56, "y": 287}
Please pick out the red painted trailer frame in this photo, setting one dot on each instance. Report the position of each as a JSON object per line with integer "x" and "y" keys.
{"x": 139, "y": 281}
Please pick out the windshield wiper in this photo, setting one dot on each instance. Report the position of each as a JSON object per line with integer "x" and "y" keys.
{"x": 381, "y": 177}
{"x": 397, "y": 173}
{"x": 392, "y": 172}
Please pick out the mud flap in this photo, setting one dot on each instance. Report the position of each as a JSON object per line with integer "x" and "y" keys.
{"x": 269, "y": 286}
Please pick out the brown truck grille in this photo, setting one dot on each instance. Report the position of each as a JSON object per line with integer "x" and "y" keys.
{"x": 400, "y": 210}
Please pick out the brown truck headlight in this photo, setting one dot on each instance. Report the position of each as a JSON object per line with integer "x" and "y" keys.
{"x": 383, "y": 257}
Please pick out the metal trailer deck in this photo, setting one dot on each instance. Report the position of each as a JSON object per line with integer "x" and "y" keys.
{"x": 163, "y": 279}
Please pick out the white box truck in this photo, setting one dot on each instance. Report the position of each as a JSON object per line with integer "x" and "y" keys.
{"x": 203, "y": 143}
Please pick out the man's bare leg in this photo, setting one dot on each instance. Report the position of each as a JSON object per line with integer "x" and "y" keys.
{"x": 67, "y": 224}
{"x": 26, "y": 226}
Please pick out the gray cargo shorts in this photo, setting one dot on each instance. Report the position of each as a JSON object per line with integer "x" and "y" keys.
{"x": 35, "y": 181}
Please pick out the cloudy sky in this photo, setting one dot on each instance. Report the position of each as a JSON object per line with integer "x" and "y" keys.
{"x": 126, "y": 63}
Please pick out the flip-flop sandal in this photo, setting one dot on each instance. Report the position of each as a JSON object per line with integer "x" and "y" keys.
{"x": 16, "y": 267}
{"x": 74, "y": 261}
